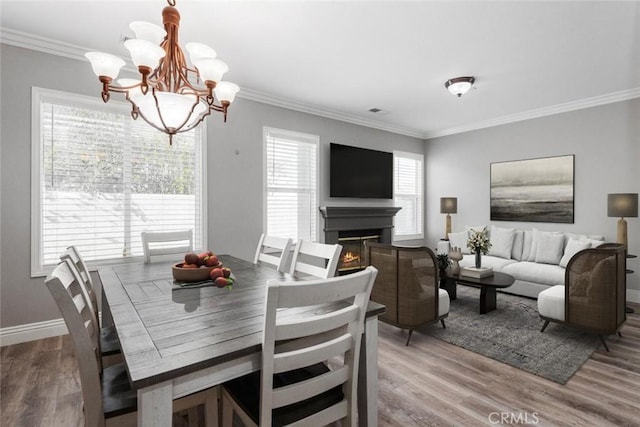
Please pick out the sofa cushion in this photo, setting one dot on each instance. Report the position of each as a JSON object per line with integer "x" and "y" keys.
{"x": 545, "y": 274}
{"x": 549, "y": 247}
{"x": 494, "y": 262}
{"x": 460, "y": 240}
{"x": 551, "y": 303}
{"x": 518, "y": 243}
{"x": 443, "y": 302}
{"x": 573, "y": 247}
{"x": 501, "y": 241}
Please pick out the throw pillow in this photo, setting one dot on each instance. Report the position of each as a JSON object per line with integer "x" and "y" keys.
{"x": 501, "y": 241}
{"x": 549, "y": 248}
{"x": 526, "y": 245}
{"x": 534, "y": 245}
{"x": 518, "y": 243}
{"x": 460, "y": 240}
{"x": 471, "y": 228}
{"x": 595, "y": 243}
{"x": 573, "y": 247}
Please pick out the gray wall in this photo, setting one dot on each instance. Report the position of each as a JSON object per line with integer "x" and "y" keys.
{"x": 605, "y": 141}
{"x": 234, "y": 181}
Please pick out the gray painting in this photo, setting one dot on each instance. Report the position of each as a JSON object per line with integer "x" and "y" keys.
{"x": 535, "y": 190}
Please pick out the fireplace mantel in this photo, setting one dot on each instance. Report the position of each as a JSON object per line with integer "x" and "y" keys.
{"x": 343, "y": 218}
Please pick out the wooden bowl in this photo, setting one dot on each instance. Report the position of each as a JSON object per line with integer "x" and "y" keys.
{"x": 192, "y": 274}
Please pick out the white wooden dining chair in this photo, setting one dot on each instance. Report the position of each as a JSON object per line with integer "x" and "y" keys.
{"x": 107, "y": 341}
{"x": 295, "y": 386}
{"x": 108, "y": 398}
{"x": 273, "y": 251}
{"x": 156, "y": 243}
{"x": 319, "y": 260}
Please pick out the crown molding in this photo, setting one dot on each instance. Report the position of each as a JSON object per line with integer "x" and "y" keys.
{"x": 580, "y": 104}
{"x": 72, "y": 51}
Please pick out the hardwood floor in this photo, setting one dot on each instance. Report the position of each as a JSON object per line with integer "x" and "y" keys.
{"x": 429, "y": 383}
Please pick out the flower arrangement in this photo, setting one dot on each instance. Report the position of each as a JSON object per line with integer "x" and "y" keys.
{"x": 479, "y": 242}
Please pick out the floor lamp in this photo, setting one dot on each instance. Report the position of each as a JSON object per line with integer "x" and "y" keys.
{"x": 621, "y": 205}
{"x": 448, "y": 205}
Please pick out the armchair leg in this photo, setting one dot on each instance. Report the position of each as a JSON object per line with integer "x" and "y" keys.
{"x": 443, "y": 325}
{"x": 546, "y": 323}
{"x": 604, "y": 343}
{"x": 619, "y": 334}
{"x": 409, "y": 337}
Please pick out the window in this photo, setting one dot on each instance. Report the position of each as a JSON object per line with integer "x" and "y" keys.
{"x": 408, "y": 184}
{"x": 100, "y": 178}
{"x": 291, "y": 200}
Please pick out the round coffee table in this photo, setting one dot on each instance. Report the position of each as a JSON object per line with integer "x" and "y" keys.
{"x": 488, "y": 286}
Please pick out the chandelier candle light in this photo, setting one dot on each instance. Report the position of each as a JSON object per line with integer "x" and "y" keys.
{"x": 170, "y": 96}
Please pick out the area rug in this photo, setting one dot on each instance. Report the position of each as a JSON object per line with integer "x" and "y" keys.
{"x": 511, "y": 334}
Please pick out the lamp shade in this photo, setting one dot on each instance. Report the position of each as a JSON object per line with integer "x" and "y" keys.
{"x": 622, "y": 205}
{"x": 448, "y": 205}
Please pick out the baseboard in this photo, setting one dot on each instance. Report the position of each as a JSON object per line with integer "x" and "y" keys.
{"x": 633, "y": 295}
{"x": 32, "y": 331}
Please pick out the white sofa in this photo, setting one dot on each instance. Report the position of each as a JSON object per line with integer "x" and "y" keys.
{"x": 537, "y": 259}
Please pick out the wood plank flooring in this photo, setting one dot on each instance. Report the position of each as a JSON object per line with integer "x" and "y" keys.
{"x": 429, "y": 383}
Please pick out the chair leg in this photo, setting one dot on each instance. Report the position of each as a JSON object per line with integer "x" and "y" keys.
{"x": 604, "y": 343}
{"x": 546, "y": 323}
{"x": 443, "y": 325}
{"x": 409, "y": 337}
{"x": 227, "y": 412}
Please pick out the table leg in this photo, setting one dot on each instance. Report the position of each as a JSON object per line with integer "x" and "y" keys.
{"x": 155, "y": 405}
{"x": 487, "y": 299}
{"x": 368, "y": 375}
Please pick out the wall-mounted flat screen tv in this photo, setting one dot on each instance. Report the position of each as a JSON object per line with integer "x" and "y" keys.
{"x": 360, "y": 172}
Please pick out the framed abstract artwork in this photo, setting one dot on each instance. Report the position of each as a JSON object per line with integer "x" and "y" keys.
{"x": 533, "y": 190}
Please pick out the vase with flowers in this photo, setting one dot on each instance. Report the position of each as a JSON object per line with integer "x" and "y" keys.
{"x": 479, "y": 244}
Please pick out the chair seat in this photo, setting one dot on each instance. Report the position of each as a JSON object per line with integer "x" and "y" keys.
{"x": 109, "y": 343}
{"x": 551, "y": 303}
{"x": 443, "y": 302}
{"x": 117, "y": 396}
{"x": 246, "y": 392}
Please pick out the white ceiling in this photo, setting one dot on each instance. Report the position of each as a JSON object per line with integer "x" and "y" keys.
{"x": 341, "y": 58}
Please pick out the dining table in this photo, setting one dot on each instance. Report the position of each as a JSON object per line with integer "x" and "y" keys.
{"x": 177, "y": 339}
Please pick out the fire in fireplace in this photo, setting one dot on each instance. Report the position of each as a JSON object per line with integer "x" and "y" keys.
{"x": 353, "y": 256}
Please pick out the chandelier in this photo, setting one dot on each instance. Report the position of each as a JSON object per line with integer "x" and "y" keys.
{"x": 170, "y": 96}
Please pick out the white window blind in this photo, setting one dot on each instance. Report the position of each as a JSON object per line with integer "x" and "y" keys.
{"x": 408, "y": 194}
{"x": 100, "y": 178}
{"x": 291, "y": 184}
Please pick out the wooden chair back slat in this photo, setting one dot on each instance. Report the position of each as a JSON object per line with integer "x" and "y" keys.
{"x": 273, "y": 251}
{"x": 159, "y": 243}
{"x": 314, "y": 259}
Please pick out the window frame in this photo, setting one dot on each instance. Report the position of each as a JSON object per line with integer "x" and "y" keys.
{"x": 306, "y": 137}
{"x": 40, "y": 95}
{"x": 420, "y": 197}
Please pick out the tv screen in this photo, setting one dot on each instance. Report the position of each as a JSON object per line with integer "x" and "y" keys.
{"x": 360, "y": 172}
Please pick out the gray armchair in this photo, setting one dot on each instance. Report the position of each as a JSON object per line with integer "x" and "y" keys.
{"x": 594, "y": 294}
{"x": 408, "y": 285}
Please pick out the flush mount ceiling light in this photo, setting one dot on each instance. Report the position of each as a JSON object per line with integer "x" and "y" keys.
{"x": 171, "y": 96}
{"x": 460, "y": 85}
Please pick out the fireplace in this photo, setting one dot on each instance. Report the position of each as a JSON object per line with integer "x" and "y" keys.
{"x": 352, "y": 227}
{"x": 353, "y": 256}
